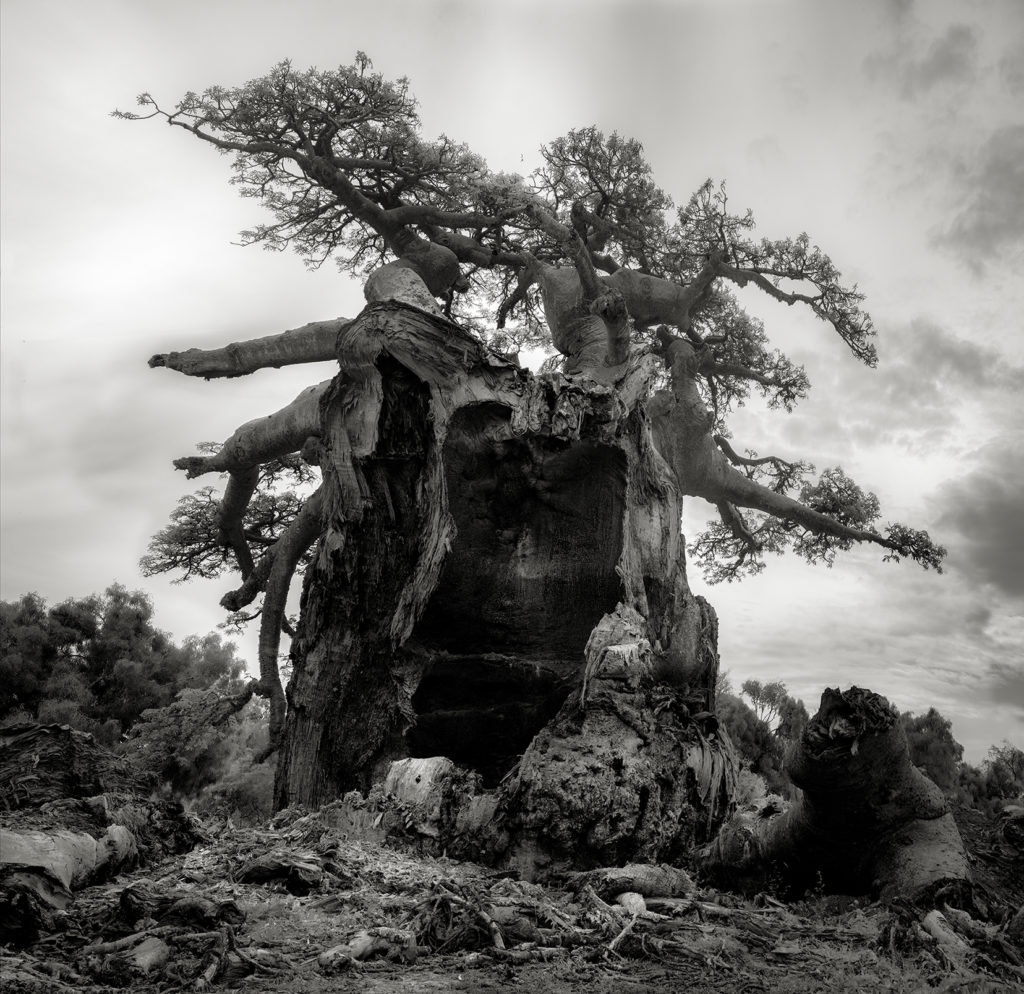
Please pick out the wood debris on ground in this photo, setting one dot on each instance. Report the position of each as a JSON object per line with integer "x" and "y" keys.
{"x": 303, "y": 904}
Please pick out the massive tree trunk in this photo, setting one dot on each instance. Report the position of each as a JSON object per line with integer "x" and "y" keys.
{"x": 500, "y": 579}
{"x": 499, "y": 575}
{"x": 481, "y": 523}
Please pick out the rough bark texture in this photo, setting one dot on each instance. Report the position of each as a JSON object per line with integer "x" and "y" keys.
{"x": 626, "y": 772}
{"x": 482, "y": 526}
{"x": 868, "y": 820}
{"x": 500, "y": 581}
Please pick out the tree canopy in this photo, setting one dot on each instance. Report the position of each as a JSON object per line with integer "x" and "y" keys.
{"x": 586, "y": 256}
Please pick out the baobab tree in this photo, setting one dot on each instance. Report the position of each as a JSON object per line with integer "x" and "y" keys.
{"x": 495, "y": 567}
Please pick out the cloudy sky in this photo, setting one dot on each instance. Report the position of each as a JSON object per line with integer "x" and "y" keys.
{"x": 892, "y": 132}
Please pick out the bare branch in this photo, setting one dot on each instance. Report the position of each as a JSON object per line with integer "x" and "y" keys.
{"x": 737, "y": 460}
{"x": 831, "y": 304}
{"x": 524, "y": 281}
{"x": 314, "y": 342}
{"x": 265, "y": 438}
{"x": 736, "y": 523}
{"x": 713, "y": 367}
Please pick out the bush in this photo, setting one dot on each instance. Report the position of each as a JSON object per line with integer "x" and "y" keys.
{"x": 751, "y": 789}
{"x": 192, "y": 743}
{"x": 245, "y": 795}
{"x": 933, "y": 750}
{"x": 99, "y": 659}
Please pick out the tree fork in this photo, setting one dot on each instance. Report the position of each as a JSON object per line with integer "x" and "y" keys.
{"x": 256, "y": 582}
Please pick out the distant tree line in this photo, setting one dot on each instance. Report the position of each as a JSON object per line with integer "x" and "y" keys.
{"x": 100, "y": 665}
{"x": 97, "y": 663}
{"x": 184, "y": 712}
{"x": 1000, "y": 776}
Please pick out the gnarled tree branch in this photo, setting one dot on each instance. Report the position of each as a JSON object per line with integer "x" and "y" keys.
{"x": 262, "y": 439}
{"x": 314, "y": 342}
{"x": 683, "y": 433}
{"x": 241, "y": 486}
{"x": 288, "y": 550}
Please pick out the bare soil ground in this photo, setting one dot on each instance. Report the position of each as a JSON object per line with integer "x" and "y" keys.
{"x": 303, "y": 906}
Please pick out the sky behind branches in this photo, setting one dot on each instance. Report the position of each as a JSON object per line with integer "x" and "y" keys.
{"x": 891, "y": 132}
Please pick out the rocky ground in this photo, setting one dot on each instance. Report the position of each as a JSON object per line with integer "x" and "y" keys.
{"x": 311, "y": 903}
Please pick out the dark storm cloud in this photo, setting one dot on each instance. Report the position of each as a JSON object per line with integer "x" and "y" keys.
{"x": 927, "y": 353}
{"x": 927, "y": 372}
{"x": 977, "y": 619}
{"x": 950, "y": 59}
{"x": 899, "y": 9}
{"x": 1011, "y": 68}
{"x": 989, "y": 219}
{"x": 1008, "y": 686}
{"x": 982, "y": 513}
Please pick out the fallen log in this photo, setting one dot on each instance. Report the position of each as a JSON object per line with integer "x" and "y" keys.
{"x": 76, "y": 815}
{"x": 39, "y": 871}
{"x": 868, "y": 820}
{"x": 145, "y": 900}
{"x": 640, "y": 878}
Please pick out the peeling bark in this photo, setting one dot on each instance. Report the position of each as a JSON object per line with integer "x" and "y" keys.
{"x": 43, "y": 763}
{"x": 624, "y": 773}
{"x": 480, "y": 522}
{"x": 501, "y": 579}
